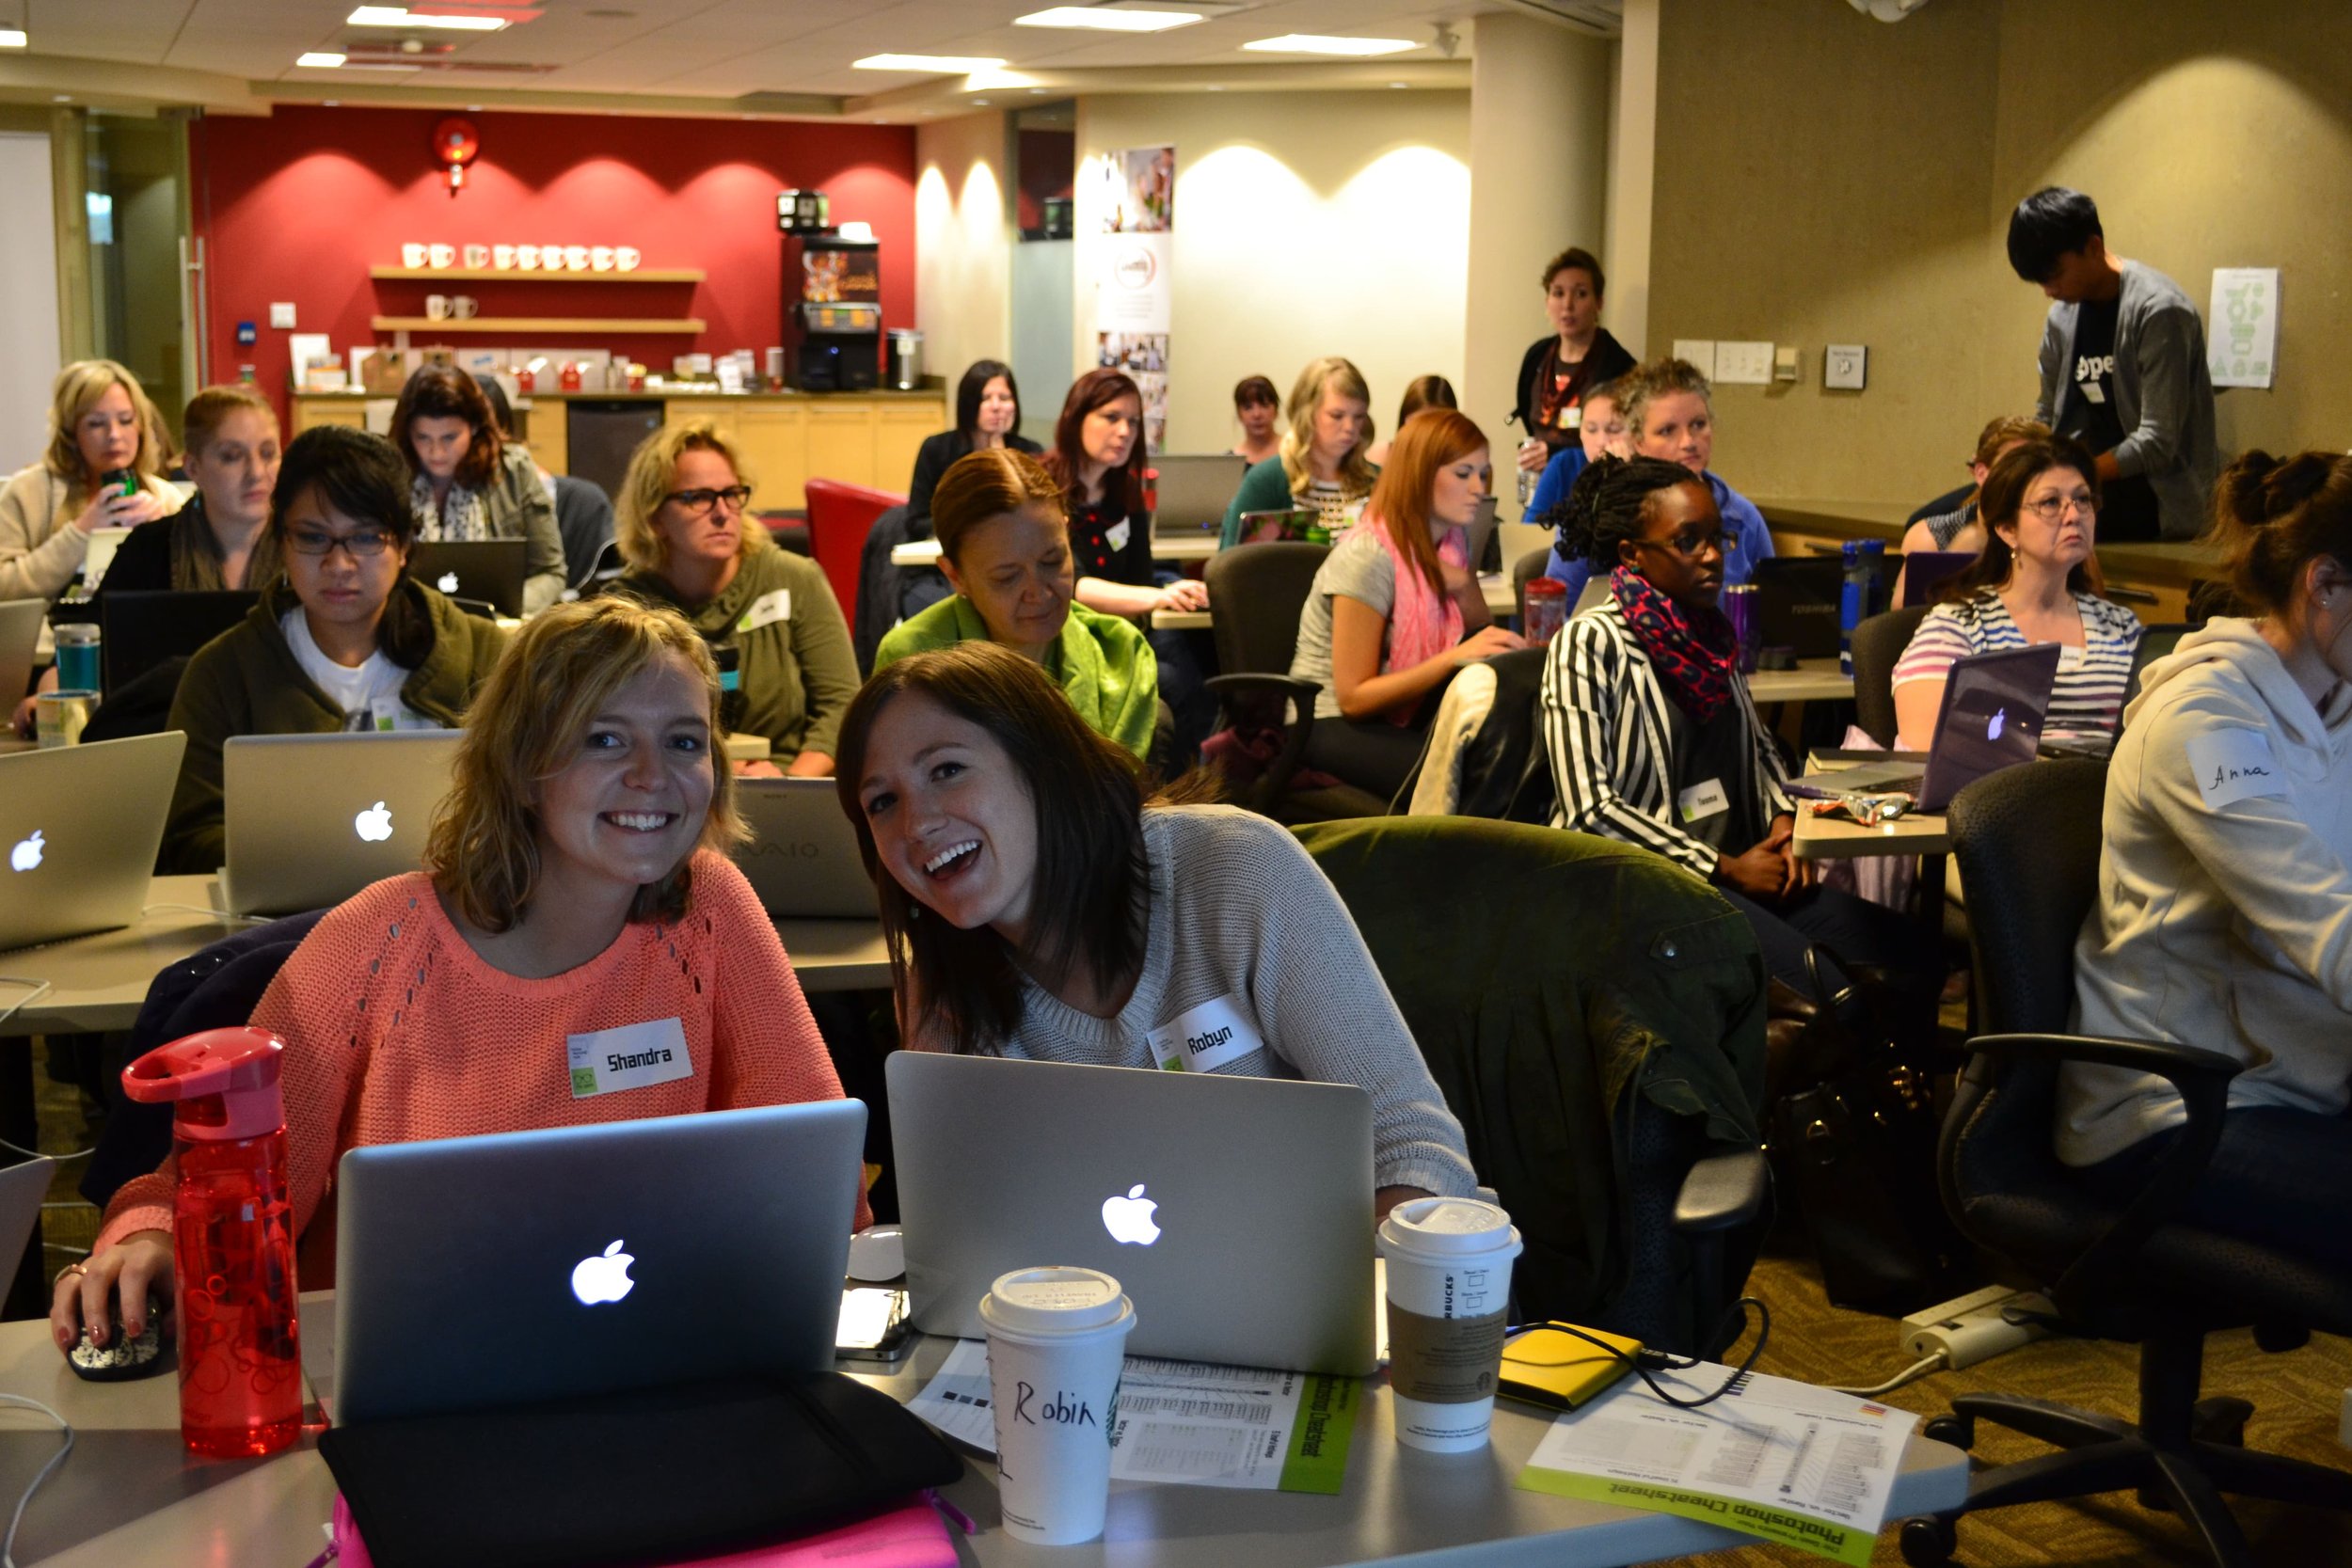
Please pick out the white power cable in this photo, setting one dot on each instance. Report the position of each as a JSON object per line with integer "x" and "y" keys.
{"x": 7, "y": 1545}
{"x": 1912, "y": 1373}
{"x": 38, "y": 989}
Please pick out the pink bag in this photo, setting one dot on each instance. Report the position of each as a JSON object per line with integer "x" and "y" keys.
{"x": 914, "y": 1536}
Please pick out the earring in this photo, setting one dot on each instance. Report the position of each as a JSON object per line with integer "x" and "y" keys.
{"x": 915, "y": 910}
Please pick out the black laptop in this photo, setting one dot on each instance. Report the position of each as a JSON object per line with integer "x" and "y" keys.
{"x": 488, "y": 570}
{"x": 1797, "y": 598}
{"x": 140, "y": 629}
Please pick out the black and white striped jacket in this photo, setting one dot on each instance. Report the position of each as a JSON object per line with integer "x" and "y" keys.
{"x": 1606, "y": 731}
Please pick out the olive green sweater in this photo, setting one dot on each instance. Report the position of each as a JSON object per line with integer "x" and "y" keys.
{"x": 246, "y": 681}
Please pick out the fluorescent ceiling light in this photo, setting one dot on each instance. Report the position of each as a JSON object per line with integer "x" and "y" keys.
{"x": 13, "y": 38}
{"x": 319, "y": 60}
{"x": 1103, "y": 19}
{"x": 401, "y": 16}
{"x": 1313, "y": 43}
{"x": 947, "y": 65}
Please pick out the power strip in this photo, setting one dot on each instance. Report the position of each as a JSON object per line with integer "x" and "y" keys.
{"x": 1972, "y": 1328}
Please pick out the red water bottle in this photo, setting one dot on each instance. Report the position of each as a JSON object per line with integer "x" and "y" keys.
{"x": 232, "y": 1240}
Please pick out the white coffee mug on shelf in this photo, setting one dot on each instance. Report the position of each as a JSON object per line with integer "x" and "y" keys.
{"x": 464, "y": 308}
{"x": 626, "y": 258}
{"x": 601, "y": 257}
{"x": 413, "y": 256}
{"x": 502, "y": 257}
{"x": 477, "y": 255}
{"x": 526, "y": 256}
{"x": 575, "y": 258}
{"x": 441, "y": 256}
{"x": 436, "y": 307}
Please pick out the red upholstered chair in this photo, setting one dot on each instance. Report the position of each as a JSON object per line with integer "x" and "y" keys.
{"x": 838, "y": 516}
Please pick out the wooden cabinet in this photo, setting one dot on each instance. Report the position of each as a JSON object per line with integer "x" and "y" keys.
{"x": 773, "y": 439}
{"x": 899, "y": 431}
{"x": 344, "y": 411}
{"x": 548, "y": 431}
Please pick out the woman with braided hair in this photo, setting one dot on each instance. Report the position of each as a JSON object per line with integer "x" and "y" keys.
{"x": 1654, "y": 740}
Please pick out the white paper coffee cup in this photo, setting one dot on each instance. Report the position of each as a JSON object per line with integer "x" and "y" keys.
{"x": 1057, "y": 1342}
{"x": 1449, "y": 1285}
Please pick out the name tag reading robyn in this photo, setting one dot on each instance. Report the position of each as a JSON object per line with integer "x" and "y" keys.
{"x": 631, "y": 1057}
{"x": 1205, "y": 1039}
{"x": 767, "y": 610}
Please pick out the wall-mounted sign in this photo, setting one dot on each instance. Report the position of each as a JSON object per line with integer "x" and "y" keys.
{"x": 2242, "y": 328}
{"x": 524, "y": 258}
{"x": 1133, "y": 294}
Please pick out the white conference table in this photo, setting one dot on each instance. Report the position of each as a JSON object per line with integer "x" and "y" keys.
{"x": 97, "y": 982}
{"x": 1182, "y": 546}
{"x": 130, "y": 1497}
{"x": 1501, "y": 600}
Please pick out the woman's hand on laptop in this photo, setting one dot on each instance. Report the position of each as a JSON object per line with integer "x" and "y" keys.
{"x": 132, "y": 1269}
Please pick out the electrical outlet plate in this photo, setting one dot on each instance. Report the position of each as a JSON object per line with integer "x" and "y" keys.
{"x": 282, "y": 315}
{"x": 1845, "y": 367}
{"x": 1785, "y": 362}
{"x": 1699, "y": 353}
{"x": 1744, "y": 364}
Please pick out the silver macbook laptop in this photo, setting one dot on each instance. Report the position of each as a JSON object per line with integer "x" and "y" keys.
{"x": 489, "y": 570}
{"x": 802, "y": 858}
{"x": 1994, "y": 707}
{"x": 473, "y": 1273}
{"x": 1235, "y": 1211}
{"x": 1194, "y": 492}
{"x": 79, "y": 828}
{"x": 20, "y": 635}
{"x": 313, "y": 819}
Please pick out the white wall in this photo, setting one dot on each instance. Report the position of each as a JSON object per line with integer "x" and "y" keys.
{"x": 1306, "y": 224}
{"x": 1042, "y": 326}
{"x": 1632, "y": 177}
{"x": 28, "y": 281}
{"x": 964, "y": 240}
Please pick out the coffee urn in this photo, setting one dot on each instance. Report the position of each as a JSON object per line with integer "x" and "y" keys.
{"x": 905, "y": 359}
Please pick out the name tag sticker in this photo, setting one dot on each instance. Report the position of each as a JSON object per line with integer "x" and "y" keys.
{"x": 1117, "y": 535}
{"x": 767, "y": 610}
{"x": 1572, "y": 417}
{"x": 1205, "y": 1039}
{"x": 631, "y": 1057}
{"x": 2094, "y": 392}
{"x": 1703, "y": 799}
{"x": 2235, "y": 765}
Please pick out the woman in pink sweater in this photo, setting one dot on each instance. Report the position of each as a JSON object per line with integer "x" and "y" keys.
{"x": 575, "y": 881}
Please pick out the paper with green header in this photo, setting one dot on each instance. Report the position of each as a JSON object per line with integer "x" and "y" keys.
{"x": 1186, "y": 1422}
{"x": 1781, "y": 1461}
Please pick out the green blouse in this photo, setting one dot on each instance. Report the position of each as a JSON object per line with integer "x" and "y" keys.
{"x": 1101, "y": 660}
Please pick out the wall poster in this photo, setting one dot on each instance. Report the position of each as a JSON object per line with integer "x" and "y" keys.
{"x": 2242, "y": 328}
{"x": 1132, "y": 301}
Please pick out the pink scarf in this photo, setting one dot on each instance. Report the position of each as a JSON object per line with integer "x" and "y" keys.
{"x": 1424, "y": 621}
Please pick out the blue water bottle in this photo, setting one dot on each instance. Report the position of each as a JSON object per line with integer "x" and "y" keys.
{"x": 1854, "y": 603}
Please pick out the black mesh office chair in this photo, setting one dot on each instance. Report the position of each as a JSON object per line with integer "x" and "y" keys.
{"x": 1258, "y": 590}
{"x": 1878, "y": 643}
{"x": 583, "y": 517}
{"x": 2029, "y": 843}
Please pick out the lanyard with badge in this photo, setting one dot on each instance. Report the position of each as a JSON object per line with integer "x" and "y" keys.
{"x": 1205, "y": 1039}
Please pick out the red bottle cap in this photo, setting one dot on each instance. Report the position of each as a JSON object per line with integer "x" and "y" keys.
{"x": 224, "y": 1082}
{"x": 1538, "y": 588}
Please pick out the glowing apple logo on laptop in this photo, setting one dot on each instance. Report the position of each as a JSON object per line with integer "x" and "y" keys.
{"x": 1129, "y": 1219}
{"x": 27, "y": 855}
{"x": 448, "y": 582}
{"x": 374, "y": 824}
{"x": 603, "y": 1277}
{"x": 1999, "y": 723}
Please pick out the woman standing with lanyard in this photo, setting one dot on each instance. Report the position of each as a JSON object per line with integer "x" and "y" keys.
{"x": 1556, "y": 371}
{"x": 1322, "y": 466}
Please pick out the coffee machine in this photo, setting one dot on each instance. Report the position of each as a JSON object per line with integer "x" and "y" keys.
{"x": 832, "y": 297}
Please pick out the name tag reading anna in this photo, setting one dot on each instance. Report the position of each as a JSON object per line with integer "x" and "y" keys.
{"x": 767, "y": 610}
{"x": 631, "y": 1057}
{"x": 1205, "y": 1039}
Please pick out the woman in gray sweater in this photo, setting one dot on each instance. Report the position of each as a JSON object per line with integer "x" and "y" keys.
{"x": 1036, "y": 906}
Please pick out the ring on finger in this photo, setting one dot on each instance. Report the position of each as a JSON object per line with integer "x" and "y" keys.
{"x": 77, "y": 1270}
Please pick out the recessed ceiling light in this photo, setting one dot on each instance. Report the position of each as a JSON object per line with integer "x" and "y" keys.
{"x": 1315, "y": 43}
{"x": 61, "y": 97}
{"x": 1214, "y": 86}
{"x": 319, "y": 60}
{"x": 13, "y": 38}
{"x": 947, "y": 65}
{"x": 401, "y": 16}
{"x": 1103, "y": 19}
{"x": 1399, "y": 86}
{"x": 980, "y": 102}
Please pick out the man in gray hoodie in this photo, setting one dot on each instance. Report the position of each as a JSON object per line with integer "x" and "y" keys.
{"x": 2122, "y": 368}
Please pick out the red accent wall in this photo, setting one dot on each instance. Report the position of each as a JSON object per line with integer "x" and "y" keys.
{"x": 299, "y": 205}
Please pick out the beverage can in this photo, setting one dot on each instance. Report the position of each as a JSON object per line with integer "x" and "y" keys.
{"x": 60, "y": 716}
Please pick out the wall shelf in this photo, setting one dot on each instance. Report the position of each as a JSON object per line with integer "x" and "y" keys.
{"x": 583, "y": 325}
{"x": 511, "y": 275}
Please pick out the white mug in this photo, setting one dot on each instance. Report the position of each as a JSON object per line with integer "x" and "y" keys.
{"x": 526, "y": 256}
{"x": 601, "y": 257}
{"x": 477, "y": 255}
{"x": 575, "y": 258}
{"x": 502, "y": 257}
{"x": 412, "y": 256}
{"x": 626, "y": 258}
{"x": 436, "y": 307}
{"x": 551, "y": 257}
{"x": 464, "y": 308}
{"x": 443, "y": 256}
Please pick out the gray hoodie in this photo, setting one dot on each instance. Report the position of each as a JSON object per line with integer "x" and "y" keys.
{"x": 2224, "y": 917}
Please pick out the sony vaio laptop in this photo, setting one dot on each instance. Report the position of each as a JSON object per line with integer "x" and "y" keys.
{"x": 20, "y": 635}
{"x": 1994, "y": 705}
{"x": 475, "y": 1272}
{"x": 140, "y": 629}
{"x": 79, "y": 828}
{"x": 802, "y": 858}
{"x": 1194, "y": 492}
{"x": 311, "y": 819}
{"x": 489, "y": 570}
{"x": 1236, "y": 1212}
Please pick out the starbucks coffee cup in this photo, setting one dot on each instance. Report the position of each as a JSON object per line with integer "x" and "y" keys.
{"x": 1449, "y": 1280}
{"x": 1057, "y": 1342}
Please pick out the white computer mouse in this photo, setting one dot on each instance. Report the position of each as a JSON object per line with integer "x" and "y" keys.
{"x": 877, "y": 1253}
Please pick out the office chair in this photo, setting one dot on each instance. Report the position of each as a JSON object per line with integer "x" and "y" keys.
{"x": 1258, "y": 590}
{"x": 2029, "y": 843}
{"x": 2155, "y": 642}
{"x": 583, "y": 517}
{"x": 839, "y": 515}
{"x": 1878, "y": 643}
{"x": 1608, "y": 1073}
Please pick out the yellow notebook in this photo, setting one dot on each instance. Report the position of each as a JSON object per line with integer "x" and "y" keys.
{"x": 1560, "y": 1372}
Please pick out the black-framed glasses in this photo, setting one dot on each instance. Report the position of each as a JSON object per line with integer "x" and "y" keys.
{"x": 734, "y": 498}
{"x": 360, "y": 542}
{"x": 1690, "y": 543}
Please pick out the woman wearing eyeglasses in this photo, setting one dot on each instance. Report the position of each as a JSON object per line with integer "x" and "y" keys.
{"x": 1652, "y": 736}
{"x": 345, "y": 641}
{"x": 682, "y": 529}
{"x": 2039, "y": 504}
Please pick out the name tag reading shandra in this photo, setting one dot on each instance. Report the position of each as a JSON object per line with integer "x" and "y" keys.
{"x": 631, "y": 1057}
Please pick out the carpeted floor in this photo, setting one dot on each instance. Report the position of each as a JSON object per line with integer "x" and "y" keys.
{"x": 2297, "y": 1398}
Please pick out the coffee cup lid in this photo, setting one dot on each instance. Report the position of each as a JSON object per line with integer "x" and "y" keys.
{"x": 1447, "y": 1226}
{"x": 1058, "y": 1300}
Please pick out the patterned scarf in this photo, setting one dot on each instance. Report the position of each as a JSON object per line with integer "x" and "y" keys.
{"x": 1424, "y": 621}
{"x": 459, "y": 518}
{"x": 1692, "y": 648}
